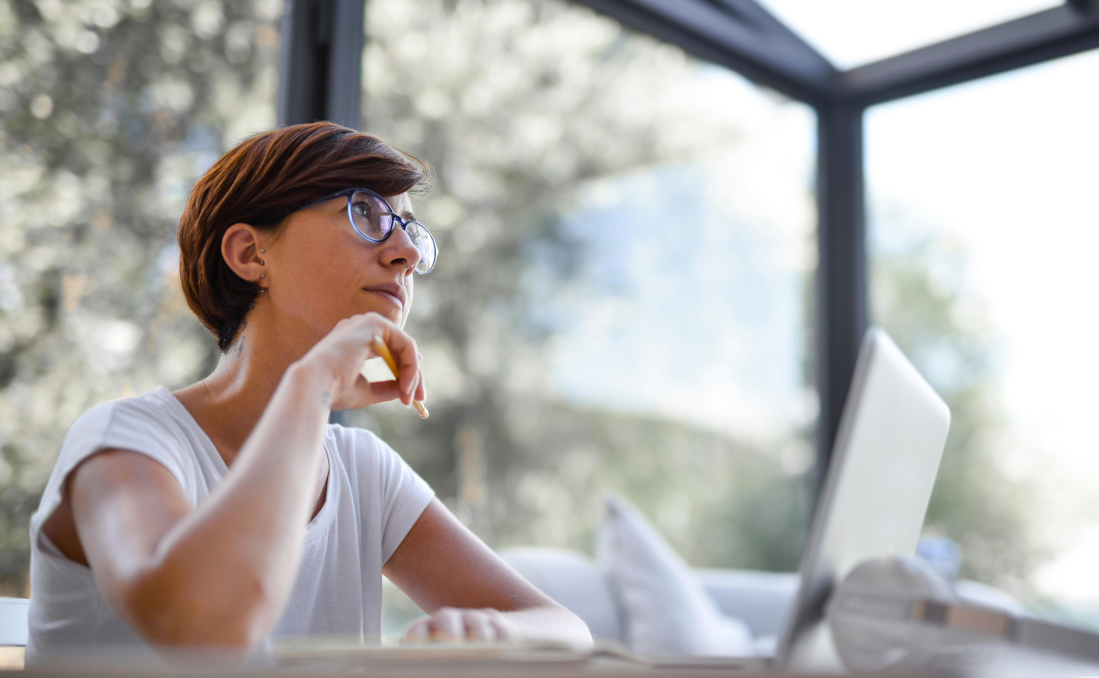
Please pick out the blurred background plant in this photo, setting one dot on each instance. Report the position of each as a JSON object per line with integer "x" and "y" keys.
{"x": 624, "y": 297}
{"x": 109, "y": 111}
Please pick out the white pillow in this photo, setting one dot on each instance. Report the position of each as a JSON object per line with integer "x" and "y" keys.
{"x": 665, "y": 608}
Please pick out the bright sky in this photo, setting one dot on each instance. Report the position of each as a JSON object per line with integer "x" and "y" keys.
{"x": 1009, "y": 166}
{"x": 853, "y": 32}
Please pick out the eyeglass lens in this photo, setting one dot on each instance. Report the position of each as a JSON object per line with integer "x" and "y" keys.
{"x": 374, "y": 219}
{"x": 372, "y": 216}
{"x": 424, "y": 243}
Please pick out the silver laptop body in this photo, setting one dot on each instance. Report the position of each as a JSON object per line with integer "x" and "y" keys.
{"x": 875, "y": 495}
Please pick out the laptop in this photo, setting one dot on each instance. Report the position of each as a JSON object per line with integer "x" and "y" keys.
{"x": 872, "y": 503}
{"x": 875, "y": 494}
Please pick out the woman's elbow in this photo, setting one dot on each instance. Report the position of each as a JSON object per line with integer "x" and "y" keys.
{"x": 167, "y": 610}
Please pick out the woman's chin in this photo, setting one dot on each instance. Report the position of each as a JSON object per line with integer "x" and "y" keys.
{"x": 388, "y": 312}
{"x": 384, "y": 304}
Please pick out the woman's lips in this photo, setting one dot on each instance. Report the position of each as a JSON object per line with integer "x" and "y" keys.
{"x": 391, "y": 296}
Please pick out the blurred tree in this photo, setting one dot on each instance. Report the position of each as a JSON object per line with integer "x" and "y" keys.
{"x": 109, "y": 109}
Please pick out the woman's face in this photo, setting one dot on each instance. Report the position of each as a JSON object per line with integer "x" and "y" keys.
{"x": 321, "y": 271}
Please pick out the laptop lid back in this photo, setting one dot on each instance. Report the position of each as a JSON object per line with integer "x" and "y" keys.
{"x": 875, "y": 493}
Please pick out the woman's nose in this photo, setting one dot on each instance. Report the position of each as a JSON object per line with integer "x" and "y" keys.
{"x": 400, "y": 251}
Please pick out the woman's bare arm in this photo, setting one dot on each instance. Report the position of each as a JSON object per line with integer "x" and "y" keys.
{"x": 219, "y": 574}
{"x": 470, "y": 592}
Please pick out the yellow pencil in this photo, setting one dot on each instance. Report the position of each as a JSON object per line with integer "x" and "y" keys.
{"x": 383, "y": 351}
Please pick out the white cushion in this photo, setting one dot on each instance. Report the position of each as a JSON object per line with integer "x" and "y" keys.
{"x": 666, "y": 609}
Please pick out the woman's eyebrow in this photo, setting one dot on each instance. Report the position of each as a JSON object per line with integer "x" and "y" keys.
{"x": 407, "y": 215}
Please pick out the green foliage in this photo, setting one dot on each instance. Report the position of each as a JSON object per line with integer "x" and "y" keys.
{"x": 108, "y": 110}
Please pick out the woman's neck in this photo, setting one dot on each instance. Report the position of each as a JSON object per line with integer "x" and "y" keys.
{"x": 229, "y": 403}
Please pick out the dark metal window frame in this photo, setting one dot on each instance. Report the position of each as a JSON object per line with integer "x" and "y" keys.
{"x": 321, "y": 70}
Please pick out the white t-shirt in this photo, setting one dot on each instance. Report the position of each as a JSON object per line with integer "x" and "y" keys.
{"x": 373, "y": 500}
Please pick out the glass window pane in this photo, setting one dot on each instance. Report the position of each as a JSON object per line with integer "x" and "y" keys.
{"x": 983, "y": 234}
{"x": 850, "y": 33}
{"x": 108, "y": 113}
{"x": 624, "y": 283}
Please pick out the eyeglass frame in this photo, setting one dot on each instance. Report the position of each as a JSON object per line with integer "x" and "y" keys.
{"x": 402, "y": 222}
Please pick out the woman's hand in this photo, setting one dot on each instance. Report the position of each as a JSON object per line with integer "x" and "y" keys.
{"x": 484, "y": 625}
{"x": 341, "y": 354}
{"x": 472, "y": 593}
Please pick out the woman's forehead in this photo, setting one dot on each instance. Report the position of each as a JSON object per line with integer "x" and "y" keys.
{"x": 402, "y": 205}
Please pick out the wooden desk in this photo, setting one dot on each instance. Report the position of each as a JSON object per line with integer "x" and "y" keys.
{"x": 509, "y": 661}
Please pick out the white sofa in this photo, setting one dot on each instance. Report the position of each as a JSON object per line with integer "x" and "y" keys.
{"x": 761, "y": 599}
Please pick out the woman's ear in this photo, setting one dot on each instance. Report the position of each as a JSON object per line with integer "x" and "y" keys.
{"x": 240, "y": 247}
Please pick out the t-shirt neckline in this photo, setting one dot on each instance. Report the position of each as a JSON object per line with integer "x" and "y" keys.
{"x": 319, "y": 522}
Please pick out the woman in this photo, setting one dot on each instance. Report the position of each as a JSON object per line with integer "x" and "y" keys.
{"x": 229, "y": 512}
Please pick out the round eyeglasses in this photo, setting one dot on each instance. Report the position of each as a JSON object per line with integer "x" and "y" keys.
{"x": 372, "y": 218}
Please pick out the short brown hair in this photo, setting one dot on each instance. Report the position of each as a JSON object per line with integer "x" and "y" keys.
{"x": 259, "y": 182}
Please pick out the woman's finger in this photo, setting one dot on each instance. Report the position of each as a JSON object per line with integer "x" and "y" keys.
{"x": 448, "y": 623}
{"x": 478, "y": 626}
{"x": 419, "y": 632}
{"x": 421, "y": 388}
{"x": 381, "y": 392}
{"x": 403, "y": 348}
{"x": 505, "y": 631}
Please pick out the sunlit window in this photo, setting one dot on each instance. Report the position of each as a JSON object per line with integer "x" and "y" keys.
{"x": 984, "y": 229}
{"x": 851, "y": 33}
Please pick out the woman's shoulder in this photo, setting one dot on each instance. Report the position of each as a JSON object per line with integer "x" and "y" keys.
{"x": 352, "y": 442}
{"x": 363, "y": 451}
{"x": 146, "y": 413}
{"x": 381, "y": 474}
{"x": 145, "y": 423}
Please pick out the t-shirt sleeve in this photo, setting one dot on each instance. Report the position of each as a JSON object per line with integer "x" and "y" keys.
{"x": 405, "y": 495}
{"x": 126, "y": 424}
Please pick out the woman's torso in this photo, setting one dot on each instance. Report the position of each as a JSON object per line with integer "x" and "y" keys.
{"x": 372, "y": 499}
